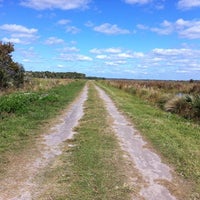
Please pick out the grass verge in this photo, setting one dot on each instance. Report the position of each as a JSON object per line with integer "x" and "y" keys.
{"x": 177, "y": 139}
{"x": 25, "y": 119}
{"x": 93, "y": 168}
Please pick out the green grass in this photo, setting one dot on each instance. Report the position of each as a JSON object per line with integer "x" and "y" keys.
{"x": 23, "y": 115}
{"x": 93, "y": 169}
{"x": 177, "y": 139}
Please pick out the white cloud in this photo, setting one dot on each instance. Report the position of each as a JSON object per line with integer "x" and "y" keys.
{"x": 69, "y": 28}
{"x": 54, "y": 40}
{"x": 89, "y": 24}
{"x": 103, "y": 57}
{"x": 166, "y": 28}
{"x": 12, "y": 40}
{"x": 137, "y": 1}
{"x": 108, "y": 50}
{"x": 64, "y": 21}
{"x": 115, "y": 62}
{"x": 17, "y": 28}
{"x": 188, "y": 29}
{"x": 72, "y": 29}
{"x": 142, "y": 27}
{"x": 74, "y": 57}
{"x": 70, "y": 49}
{"x": 188, "y": 4}
{"x": 184, "y": 28}
{"x": 55, "y": 4}
{"x": 18, "y": 33}
{"x": 80, "y": 57}
{"x": 113, "y": 50}
{"x": 125, "y": 55}
{"x": 110, "y": 29}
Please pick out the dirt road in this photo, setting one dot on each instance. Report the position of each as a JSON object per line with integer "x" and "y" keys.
{"x": 149, "y": 164}
{"x": 156, "y": 176}
{"x": 19, "y": 183}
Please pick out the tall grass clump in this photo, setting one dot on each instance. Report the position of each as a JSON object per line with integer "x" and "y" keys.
{"x": 185, "y": 105}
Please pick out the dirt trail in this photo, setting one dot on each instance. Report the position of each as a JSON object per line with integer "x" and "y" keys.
{"x": 147, "y": 162}
{"x": 19, "y": 183}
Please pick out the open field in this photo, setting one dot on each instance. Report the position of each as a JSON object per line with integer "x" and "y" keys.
{"x": 180, "y": 97}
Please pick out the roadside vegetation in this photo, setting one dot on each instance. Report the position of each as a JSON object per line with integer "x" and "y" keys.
{"x": 177, "y": 139}
{"x": 179, "y": 97}
{"x": 92, "y": 167}
{"x": 22, "y": 114}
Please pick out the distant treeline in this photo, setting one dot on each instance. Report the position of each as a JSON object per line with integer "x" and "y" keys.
{"x": 62, "y": 75}
{"x": 47, "y": 74}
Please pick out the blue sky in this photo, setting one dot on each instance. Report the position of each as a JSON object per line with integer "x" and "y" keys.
{"x": 137, "y": 39}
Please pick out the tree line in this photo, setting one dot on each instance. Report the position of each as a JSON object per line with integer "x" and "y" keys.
{"x": 60, "y": 75}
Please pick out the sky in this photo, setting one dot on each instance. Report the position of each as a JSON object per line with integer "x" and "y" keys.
{"x": 133, "y": 39}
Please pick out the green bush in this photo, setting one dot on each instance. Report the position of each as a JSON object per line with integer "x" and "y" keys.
{"x": 16, "y": 102}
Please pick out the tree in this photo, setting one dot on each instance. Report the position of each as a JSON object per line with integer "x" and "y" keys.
{"x": 11, "y": 73}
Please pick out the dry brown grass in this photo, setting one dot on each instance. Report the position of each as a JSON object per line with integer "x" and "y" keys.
{"x": 35, "y": 84}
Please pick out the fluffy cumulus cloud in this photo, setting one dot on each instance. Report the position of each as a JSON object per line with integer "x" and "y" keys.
{"x": 189, "y": 29}
{"x": 177, "y": 52}
{"x": 116, "y": 56}
{"x": 137, "y": 1}
{"x": 174, "y": 60}
{"x": 108, "y": 50}
{"x": 74, "y": 57}
{"x": 18, "y": 33}
{"x": 54, "y": 40}
{"x": 188, "y": 4}
{"x": 110, "y": 29}
{"x": 179, "y": 61}
{"x": 55, "y": 4}
{"x": 68, "y": 27}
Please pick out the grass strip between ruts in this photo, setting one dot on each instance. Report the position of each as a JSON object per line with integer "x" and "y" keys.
{"x": 96, "y": 157}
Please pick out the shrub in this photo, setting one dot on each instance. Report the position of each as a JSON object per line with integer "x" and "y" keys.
{"x": 180, "y": 104}
{"x": 196, "y": 106}
{"x": 16, "y": 102}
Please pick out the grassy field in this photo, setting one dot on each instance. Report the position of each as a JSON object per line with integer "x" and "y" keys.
{"x": 177, "y": 139}
{"x": 22, "y": 114}
{"x": 179, "y": 97}
{"x": 93, "y": 168}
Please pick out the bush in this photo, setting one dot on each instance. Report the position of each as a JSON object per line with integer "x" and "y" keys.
{"x": 196, "y": 106}
{"x": 182, "y": 105}
{"x": 16, "y": 102}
